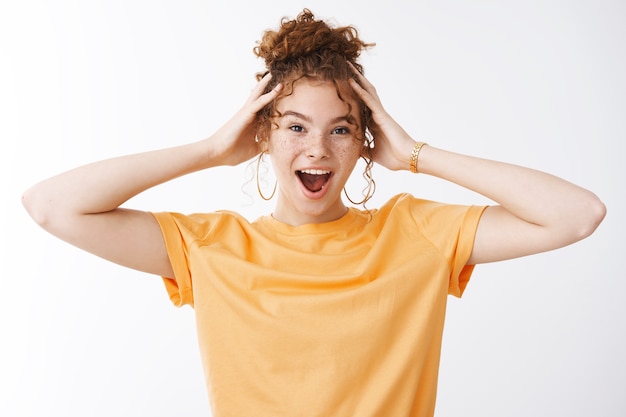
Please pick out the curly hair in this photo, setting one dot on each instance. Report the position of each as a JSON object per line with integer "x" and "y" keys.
{"x": 308, "y": 48}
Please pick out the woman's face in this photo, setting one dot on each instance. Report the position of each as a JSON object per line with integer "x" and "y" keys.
{"x": 313, "y": 151}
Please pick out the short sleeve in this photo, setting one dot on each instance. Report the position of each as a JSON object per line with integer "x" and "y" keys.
{"x": 452, "y": 229}
{"x": 179, "y": 287}
{"x": 460, "y": 271}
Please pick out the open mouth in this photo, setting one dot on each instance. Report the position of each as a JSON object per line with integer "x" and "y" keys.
{"x": 314, "y": 179}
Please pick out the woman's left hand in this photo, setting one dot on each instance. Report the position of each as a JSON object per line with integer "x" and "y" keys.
{"x": 392, "y": 144}
{"x": 534, "y": 209}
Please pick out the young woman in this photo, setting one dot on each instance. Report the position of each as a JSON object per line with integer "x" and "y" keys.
{"x": 317, "y": 308}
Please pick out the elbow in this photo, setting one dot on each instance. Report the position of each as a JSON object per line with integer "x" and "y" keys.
{"x": 36, "y": 206}
{"x": 591, "y": 214}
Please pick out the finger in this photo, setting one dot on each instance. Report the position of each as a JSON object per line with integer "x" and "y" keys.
{"x": 257, "y": 98}
{"x": 259, "y": 88}
{"x": 362, "y": 79}
{"x": 269, "y": 96}
{"x": 370, "y": 101}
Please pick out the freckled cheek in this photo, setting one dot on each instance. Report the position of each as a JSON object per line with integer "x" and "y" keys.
{"x": 282, "y": 152}
{"x": 348, "y": 153}
{"x": 283, "y": 145}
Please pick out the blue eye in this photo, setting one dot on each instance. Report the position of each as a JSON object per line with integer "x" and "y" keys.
{"x": 296, "y": 128}
{"x": 341, "y": 131}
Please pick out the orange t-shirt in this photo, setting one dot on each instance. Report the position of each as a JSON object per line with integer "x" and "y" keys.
{"x": 336, "y": 319}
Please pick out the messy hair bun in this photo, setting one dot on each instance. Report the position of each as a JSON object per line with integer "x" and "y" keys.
{"x": 310, "y": 47}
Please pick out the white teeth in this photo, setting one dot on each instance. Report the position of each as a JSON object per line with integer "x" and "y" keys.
{"x": 315, "y": 171}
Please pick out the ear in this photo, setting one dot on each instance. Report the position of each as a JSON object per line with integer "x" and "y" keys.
{"x": 263, "y": 144}
{"x": 368, "y": 148}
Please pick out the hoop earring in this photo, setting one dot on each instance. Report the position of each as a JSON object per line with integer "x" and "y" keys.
{"x": 369, "y": 189}
{"x": 258, "y": 184}
{"x": 371, "y": 186}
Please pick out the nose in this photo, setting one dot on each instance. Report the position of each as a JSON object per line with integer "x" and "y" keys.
{"x": 317, "y": 147}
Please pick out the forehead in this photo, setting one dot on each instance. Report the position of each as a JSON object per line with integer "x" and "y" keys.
{"x": 317, "y": 100}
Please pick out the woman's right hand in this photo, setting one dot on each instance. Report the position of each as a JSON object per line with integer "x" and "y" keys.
{"x": 235, "y": 142}
{"x": 82, "y": 206}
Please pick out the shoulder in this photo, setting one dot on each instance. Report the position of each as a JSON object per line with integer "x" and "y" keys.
{"x": 409, "y": 205}
{"x": 201, "y": 225}
{"x": 428, "y": 216}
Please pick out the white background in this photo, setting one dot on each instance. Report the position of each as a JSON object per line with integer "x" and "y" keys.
{"x": 539, "y": 83}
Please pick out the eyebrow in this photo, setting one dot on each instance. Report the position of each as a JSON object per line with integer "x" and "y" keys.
{"x": 308, "y": 119}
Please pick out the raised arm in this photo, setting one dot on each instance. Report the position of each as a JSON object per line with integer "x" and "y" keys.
{"x": 535, "y": 211}
{"x": 82, "y": 206}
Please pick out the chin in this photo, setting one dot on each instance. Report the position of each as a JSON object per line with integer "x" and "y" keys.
{"x": 322, "y": 211}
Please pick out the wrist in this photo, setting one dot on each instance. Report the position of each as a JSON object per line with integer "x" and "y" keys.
{"x": 414, "y": 157}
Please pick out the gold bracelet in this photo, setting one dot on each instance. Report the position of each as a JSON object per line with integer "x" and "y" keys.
{"x": 414, "y": 155}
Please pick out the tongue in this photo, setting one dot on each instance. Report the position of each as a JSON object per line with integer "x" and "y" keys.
{"x": 313, "y": 182}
